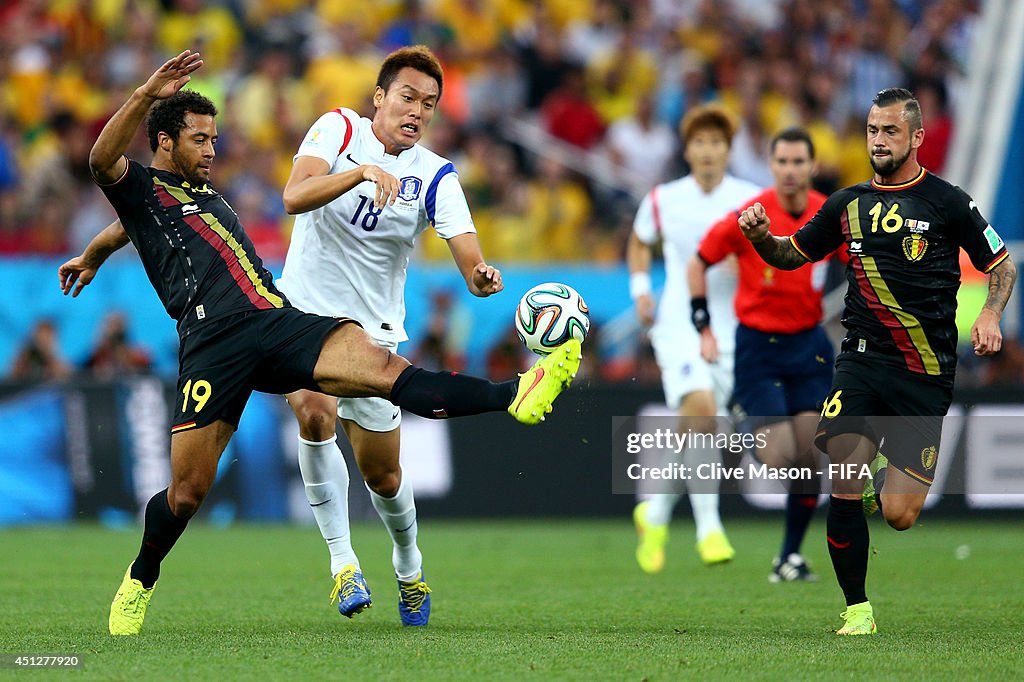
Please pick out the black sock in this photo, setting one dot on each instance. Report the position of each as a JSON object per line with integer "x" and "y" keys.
{"x": 848, "y": 546}
{"x": 438, "y": 395}
{"x": 162, "y": 530}
{"x": 799, "y": 512}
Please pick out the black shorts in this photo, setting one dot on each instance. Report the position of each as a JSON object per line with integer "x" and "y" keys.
{"x": 899, "y": 411}
{"x": 780, "y": 375}
{"x": 221, "y": 363}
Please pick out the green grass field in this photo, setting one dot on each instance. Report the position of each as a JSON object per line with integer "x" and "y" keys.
{"x": 541, "y": 600}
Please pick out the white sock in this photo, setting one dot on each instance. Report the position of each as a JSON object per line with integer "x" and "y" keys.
{"x": 659, "y": 508}
{"x": 703, "y": 493}
{"x": 325, "y": 474}
{"x": 399, "y": 516}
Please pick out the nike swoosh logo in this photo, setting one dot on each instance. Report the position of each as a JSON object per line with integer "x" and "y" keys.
{"x": 536, "y": 380}
{"x": 349, "y": 157}
{"x": 402, "y": 530}
{"x": 839, "y": 545}
{"x": 395, "y": 415}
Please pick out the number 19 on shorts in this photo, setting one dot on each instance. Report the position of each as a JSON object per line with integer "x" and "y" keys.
{"x": 198, "y": 392}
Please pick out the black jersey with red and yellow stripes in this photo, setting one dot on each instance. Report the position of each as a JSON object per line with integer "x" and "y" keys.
{"x": 194, "y": 249}
{"x": 904, "y": 244}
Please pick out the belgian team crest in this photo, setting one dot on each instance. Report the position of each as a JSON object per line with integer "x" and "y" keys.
{"x": 928, "y": 457}
{"x": 914, "y": 247}
{"x": 409, "y": 188}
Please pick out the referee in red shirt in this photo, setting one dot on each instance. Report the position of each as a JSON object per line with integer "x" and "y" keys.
{"x": 783, "y": 357}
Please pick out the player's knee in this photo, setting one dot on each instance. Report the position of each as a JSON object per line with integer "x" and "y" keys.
{"x": 316, "y": 421}
{"x": 900, "y": 519}
{"x": 384, "y": 483}
{"x": 186, "y": 497}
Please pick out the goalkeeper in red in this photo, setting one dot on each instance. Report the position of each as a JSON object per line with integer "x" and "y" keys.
{"x": 903, "y": 231}
{"x": 783, "y": 358}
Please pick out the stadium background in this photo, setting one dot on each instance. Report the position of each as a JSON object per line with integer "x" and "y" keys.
{"x": 559, "y": 116}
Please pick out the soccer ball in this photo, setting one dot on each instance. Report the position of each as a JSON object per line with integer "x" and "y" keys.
{"x": 550, "y": 314}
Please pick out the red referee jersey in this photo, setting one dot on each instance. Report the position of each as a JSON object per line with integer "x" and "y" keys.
{"x": 767, "y": 299}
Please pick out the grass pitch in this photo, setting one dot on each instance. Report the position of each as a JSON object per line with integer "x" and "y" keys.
{"x": 514, "y": 600}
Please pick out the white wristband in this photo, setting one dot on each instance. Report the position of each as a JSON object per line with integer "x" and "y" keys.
{"x": 639, "y": 284}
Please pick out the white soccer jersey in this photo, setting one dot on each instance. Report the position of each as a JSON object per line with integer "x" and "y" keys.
{"x": 679, "y": 214}
{"x": 348, "y": 259}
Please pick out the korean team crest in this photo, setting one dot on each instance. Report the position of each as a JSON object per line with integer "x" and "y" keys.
{"x": 409, "y": 188}
{"x": 914, "y": 247}
{"x": 928, "y": 457}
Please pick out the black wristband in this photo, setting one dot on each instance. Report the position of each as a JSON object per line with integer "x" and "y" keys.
{"x": 699, "y": 314}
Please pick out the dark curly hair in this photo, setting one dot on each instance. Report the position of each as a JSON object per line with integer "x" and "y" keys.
{"x": 168, "y": 115}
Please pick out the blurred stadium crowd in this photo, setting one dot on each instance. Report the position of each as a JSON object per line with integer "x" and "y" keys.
{"x": 539, "y": 97}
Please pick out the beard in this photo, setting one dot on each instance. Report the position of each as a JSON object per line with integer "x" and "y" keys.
{"x": 889, "y": 164}
{"x": 188, "y": 170}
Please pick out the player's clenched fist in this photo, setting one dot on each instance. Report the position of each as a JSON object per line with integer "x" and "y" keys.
{"x": 754, "y": 223}
{"x": 387, "y": 185}
{"x": 486, "y": 280}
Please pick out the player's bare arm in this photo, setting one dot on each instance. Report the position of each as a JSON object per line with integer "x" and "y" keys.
{"x": 481, "y": 279}
{"x": 775, "y": 251}
{"x": 106, "y": 159}
{"x": 312, "y": 185}
{"x": 985, "y": 333}
{"x": 638, "y": 258}
{"x": 80, "y": 270}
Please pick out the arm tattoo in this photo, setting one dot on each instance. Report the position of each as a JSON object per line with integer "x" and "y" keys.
{"x": 778, "y": 252}
{"x": 1000, "y": 285}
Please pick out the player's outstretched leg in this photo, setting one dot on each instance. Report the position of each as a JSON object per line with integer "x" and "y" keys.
{"x": 351, "y": 591}
{"x": 352, "y": 364}
{"x": 545, "y": 381}
{"x": 128, "y": 609}
{"x": 414, "y": 601}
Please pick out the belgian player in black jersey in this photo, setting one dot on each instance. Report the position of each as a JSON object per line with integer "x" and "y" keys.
{"x": 903, "y": 231}
{"x": 237, "y": 331}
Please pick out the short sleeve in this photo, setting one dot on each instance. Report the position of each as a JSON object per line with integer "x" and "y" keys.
{"x": 128, "y": 194}
{"x": 823, "y": 233}
{"x": 721, "y": 240}
{"x": 980, "y": 240}
{"x": 447, "y": 202}
{"x": 328, "y": 137}
{"x": 645, "y": 224}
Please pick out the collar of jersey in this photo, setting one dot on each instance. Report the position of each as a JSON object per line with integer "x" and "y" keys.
{"x": 183, "y": 183}
{"x": 376, "y": 148}
{"x": 903, "y": 185}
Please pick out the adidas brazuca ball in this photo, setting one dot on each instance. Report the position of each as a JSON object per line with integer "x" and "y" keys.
{"x": 550, "y": 314}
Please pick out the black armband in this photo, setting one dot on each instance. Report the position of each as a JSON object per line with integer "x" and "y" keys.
{"x": 699, "y": 313}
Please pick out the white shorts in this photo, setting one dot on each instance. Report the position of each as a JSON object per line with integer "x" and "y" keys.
{"x": 373, "y": 414}
{"x": 684, "y": 371}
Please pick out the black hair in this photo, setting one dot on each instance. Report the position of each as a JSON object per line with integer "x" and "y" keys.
{"x": 168, "y": 115}
{"x": 417, "y": 57}
{"x": 911, "y": 109}
{"x": 793, "y": 134}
